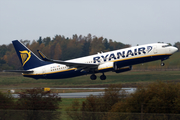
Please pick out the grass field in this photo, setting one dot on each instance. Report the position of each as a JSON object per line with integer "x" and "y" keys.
{"x": 67, "y": 102}
{"x": 127, "y": 79}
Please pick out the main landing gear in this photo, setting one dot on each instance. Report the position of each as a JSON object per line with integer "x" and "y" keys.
{"x": 93, "y": 77}
{"x": 102, "y": 77}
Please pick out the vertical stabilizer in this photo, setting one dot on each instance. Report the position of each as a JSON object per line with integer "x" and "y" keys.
{"x": 27, "y": 58}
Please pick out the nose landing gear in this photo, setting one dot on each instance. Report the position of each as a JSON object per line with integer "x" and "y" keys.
{"x": 162, "y": 64}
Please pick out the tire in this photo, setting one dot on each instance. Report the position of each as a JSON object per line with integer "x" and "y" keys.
{"x": 102, "y": 77}
{"x": 93, "y": 77}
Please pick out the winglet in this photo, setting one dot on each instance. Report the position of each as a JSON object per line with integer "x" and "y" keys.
{"x": 43, "y": 57}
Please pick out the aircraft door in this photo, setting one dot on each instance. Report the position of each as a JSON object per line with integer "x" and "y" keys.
{"x": 155, "y": 49}
{"x": 44, "y": 72}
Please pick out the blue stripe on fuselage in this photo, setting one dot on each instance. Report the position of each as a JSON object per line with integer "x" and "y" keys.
{"x": 57, "y": 75}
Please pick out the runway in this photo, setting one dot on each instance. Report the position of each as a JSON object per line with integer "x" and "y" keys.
{"x": 83, "y": 94}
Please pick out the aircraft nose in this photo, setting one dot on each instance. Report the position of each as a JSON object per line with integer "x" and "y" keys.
{"x": 174, "y": 49}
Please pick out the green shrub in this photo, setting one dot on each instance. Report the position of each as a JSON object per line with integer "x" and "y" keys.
{"x": 38, "y": 104}
{"x": 155, "y": 98}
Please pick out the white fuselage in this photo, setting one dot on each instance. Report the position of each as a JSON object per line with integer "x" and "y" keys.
{"x": 106, "y": 61}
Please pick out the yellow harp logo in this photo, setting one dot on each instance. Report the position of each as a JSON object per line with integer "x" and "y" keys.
{"x": 25, "y": 56}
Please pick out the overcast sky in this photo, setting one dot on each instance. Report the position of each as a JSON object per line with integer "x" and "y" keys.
{"x": 127, "y": 21}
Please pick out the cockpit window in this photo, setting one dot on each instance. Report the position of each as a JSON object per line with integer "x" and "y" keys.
{"x": 166, "y": 46}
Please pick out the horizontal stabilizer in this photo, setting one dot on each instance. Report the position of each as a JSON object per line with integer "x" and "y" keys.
{"x": 18, "y": 71}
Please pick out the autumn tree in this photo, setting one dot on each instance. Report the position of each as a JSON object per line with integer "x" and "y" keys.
{"x": 3, "y": 49}
{"x": 85, "y": 48}
{"x": 37, "y": 102}
{"x": 177, "y": 44}
{"x": 7, "y": 104}
{"x": 106, "y": 43}
{"x": 25, "y": 42}
{"x": 158, "y": 97}
{"x": 57, "y": 52}
{"x": 34, "y": 46}
{"x": 46, "y": 40}
{"x": 39, "y": 40}
{"x": 95, "y": 107}
{"x": 96, "y": 45}
{"x": 58, "y": 48}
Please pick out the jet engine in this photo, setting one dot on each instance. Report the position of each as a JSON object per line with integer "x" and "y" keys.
{"x": 123, "y": 69}
{"x": 116, "y": 68}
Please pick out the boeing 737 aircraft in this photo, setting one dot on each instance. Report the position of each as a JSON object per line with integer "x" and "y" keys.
{"x": 117, "y": 61}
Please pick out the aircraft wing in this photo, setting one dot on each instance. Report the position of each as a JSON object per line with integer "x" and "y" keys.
{"x": 70, "y": 64}
{"x": 18, "y": 71}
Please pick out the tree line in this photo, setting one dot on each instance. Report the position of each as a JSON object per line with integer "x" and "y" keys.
{"x": 31, "y": 104}
{"x": 60, "y": 48}
{"x": 157, "y": 101}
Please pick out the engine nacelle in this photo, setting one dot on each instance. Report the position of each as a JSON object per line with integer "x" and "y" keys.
{"x": 115, "y": 67}
{"x": 123, "y": 69}
{"x": 106, "y": 65}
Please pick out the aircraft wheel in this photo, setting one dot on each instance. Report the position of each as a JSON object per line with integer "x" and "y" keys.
{"x": 162, "y": 64}
{"x": 93, "y": 77}
{"x": 103, "y": 77}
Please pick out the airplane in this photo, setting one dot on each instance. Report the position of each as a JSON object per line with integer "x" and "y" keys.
{"x": 117, "y": 61}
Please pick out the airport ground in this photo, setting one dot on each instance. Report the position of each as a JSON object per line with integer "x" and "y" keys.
{"x": 132, "y": 78}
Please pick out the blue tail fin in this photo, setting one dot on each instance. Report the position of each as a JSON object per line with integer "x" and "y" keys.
{"x": 27, "y": 58}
